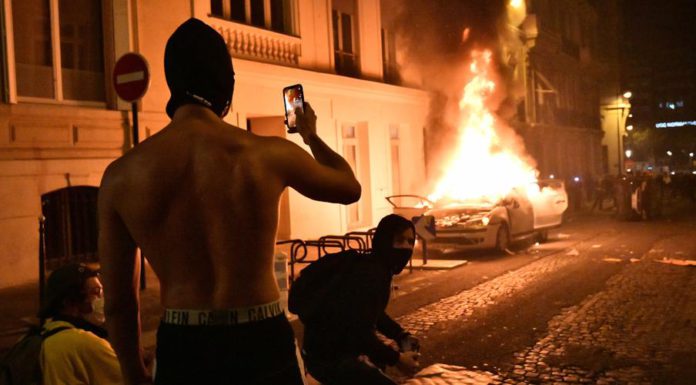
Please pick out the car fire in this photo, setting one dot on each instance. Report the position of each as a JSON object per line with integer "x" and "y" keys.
{"x": 489, "y": 193}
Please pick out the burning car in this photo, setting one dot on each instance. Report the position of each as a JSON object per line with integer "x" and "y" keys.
{"x": 487, "y": 192}
{"x": 528, "y": 211}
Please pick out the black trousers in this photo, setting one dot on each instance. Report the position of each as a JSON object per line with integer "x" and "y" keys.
{"x": 256, "y": 353}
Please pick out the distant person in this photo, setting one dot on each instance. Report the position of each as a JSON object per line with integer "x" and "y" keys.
{"x": 341, "y": 300}
{"x": 604, "y": 191}
{"x": 80, "y": 354}
{"x": 200, "y": 199}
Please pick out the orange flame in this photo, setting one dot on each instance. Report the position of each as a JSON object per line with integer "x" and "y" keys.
{"x": 482, "y": 168}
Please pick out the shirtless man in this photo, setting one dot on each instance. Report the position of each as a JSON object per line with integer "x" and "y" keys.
{"x": 200, "y": 199}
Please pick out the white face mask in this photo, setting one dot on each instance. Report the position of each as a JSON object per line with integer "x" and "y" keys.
{"x": 97, "y": 316}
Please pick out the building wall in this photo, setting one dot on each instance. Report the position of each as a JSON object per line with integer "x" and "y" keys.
{"x": 46, "y": 145}
{"x": 565, "y": 77}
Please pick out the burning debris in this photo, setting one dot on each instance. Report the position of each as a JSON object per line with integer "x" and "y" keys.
{"x": 486, "y": 165}
{"x": 475, "y": 82}
{"x": 483, "y": 184}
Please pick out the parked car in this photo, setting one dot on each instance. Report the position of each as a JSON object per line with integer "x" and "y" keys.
{"x": 481, "y": 224}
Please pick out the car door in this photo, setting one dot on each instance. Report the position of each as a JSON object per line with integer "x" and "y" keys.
{"x": 520, "y": 213}
{"x": 550, "y": 205}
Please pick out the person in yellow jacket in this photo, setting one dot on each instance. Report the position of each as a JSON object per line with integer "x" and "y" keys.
{"x": 80, "y": 354}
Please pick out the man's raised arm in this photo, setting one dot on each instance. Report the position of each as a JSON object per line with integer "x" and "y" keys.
{"x": 117, "y": 253}
{"x": 327, "y": 177}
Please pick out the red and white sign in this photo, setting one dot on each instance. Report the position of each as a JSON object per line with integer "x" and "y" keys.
{"x": 131, "y": 77}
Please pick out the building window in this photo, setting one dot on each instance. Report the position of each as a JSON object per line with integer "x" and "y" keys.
{"x": 356, "y": 153}
{"x": 275, "y": 15}
{"x": 395, "y": 159}
{"x": 389, "y": 65}
{"x": 58, "y": 49}
{"x": 350, "y": 152}
{"x": 345, "y": 38}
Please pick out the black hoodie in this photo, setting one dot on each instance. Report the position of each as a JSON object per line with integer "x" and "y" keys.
{"x": 355, "y": 308}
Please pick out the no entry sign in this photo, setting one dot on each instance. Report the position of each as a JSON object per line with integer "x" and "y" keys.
{"x": 131, "y": 77}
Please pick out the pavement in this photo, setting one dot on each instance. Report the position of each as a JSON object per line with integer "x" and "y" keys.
{"x": 614, "y": 306}
{"x": 604, "y": 302}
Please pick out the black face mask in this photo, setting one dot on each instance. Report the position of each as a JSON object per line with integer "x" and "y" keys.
{"x": 398, "y": 259}
{"x": 383, "y": 243}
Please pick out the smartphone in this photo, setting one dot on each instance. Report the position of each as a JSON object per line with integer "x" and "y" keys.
{"x": 293, "y": 97}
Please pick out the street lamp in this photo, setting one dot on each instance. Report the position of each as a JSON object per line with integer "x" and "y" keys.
{"x": 629, "y": 153}
{"x": 629, "y": 127}
{"x": 619, "y": 105}
{"x": 669, "y": 153}
{"x": 625, "y": 108}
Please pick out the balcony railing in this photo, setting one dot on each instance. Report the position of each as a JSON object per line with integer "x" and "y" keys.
{"x": 248, "y": 42}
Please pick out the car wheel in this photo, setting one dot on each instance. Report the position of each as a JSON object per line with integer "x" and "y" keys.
{"x": 542, "y": 236}
{"x": 502, "y": 239}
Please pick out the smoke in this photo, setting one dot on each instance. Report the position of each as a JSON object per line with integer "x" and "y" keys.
{"x": 435, "y": 39}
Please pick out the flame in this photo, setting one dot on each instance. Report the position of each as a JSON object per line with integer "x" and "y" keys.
{"x": 483, "y": 168}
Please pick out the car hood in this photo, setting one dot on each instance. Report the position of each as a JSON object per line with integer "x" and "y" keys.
{"x": 460, "y": 213}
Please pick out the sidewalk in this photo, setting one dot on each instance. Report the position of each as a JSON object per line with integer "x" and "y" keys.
{"x": 20, "y": 304}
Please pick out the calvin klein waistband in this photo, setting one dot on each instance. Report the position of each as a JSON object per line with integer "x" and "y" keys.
{"x": 235, "y": 316}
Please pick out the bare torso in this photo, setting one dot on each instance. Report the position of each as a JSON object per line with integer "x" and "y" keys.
{"x": 201, "y": 202}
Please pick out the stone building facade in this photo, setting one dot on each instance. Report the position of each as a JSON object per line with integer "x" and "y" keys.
{"x": 61, "y": 122}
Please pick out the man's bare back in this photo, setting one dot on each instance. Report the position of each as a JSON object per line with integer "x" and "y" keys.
{"x": 200, "y": 199}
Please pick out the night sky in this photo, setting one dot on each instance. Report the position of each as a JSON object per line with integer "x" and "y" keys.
{"x": 659, "y": 30}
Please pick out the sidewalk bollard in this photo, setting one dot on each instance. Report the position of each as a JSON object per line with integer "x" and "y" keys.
{"x": 280, "y": 263}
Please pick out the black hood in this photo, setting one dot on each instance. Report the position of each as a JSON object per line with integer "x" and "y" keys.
{"x": 383, "y": 242}
{"x": 198, "y": 68}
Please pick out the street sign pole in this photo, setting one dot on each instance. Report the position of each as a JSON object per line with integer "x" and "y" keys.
{"x": 131, "y": 79}
{"x": 136, "y": 137}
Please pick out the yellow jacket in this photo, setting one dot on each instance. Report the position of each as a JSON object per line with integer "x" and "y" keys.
{"x": 78, "y": 357}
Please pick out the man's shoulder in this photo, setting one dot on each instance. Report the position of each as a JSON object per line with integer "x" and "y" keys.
{"x": 114, "y": 174}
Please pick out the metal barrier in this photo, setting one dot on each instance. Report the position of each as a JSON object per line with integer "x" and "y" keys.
{"x": 325, "y": 243}
{"x": 355, "y": 240}
{"x": 366, "y": 236}
{"x": 296, "y": 246}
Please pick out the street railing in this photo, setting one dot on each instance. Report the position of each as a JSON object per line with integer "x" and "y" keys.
{"x": 298, "y": 253}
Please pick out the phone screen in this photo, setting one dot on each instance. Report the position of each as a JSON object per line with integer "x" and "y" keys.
{"x": 293, "y": 97}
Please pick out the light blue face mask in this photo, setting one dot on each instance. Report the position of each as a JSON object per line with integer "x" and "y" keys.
{"x": 97, "y": 316}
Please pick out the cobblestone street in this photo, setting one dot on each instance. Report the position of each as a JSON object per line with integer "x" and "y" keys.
{"x": 639, "y": 330}
{"x": 465, "y": 303}
{"x": 638, "y": 327}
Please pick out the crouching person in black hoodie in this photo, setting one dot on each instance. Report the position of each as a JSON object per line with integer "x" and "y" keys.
{"x": 341, "y": 300}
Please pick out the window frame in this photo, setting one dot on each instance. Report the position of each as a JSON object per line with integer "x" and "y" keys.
{"x": 268, "y": 22}
{"x": 58, "y": 97}
{"x": 4, "y": 70}
{"x": 390, "y": 67}
{"x": 348, "y": 143}
{"x": 338, "y": 51}
{"x": 395, "y": 154}
{"x": 360, "y": 142}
